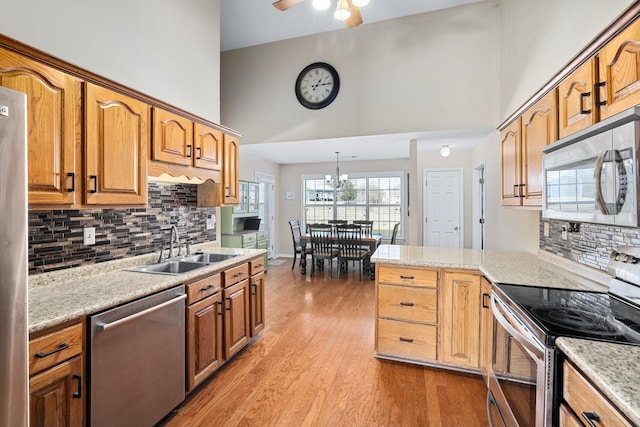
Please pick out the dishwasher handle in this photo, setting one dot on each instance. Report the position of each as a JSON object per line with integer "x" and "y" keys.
{"x": 100, "y": 326}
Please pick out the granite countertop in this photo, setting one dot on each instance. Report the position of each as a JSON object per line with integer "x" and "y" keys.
{"x": 612, "y": 367}
{"x": 71, "y": 294}
{"x": 518, "y": 268}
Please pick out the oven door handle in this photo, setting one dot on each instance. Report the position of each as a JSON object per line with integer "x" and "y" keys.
{"x": 531, "y": 346}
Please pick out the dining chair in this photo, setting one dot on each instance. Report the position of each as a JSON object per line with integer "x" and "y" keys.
{"x": 394, "y": 234}
{"x": 352, "y": 248}
{"x": 322, "y": 246}
{"x": 366, "y": 226}
{"x": 335, "y": 222}
{"x": 297, "y": 247}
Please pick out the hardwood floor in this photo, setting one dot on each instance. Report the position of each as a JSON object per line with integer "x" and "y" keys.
{"x": 313, "y": 365}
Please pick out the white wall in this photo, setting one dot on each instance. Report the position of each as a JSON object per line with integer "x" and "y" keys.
{"x": 167, "y": 49}
{"x": 430, "y": 71}
{"x": 539, "y": 37}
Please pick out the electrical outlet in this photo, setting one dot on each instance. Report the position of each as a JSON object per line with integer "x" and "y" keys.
{"x": 211, "y": 222}
{"x": 546, "y": 229}
{"x": 89, "y": 235}
{"x": 564, "y": 233}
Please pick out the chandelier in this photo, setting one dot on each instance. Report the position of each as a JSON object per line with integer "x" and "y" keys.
{"x": 337, "y": 181}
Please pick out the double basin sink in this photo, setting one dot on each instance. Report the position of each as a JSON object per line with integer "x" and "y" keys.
{"x": 177, "y": 266}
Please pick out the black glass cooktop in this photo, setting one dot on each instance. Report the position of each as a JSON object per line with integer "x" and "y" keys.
{"x": 575, "y": 313}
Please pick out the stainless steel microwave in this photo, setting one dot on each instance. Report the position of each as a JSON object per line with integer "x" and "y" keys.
{"x": 592, "y": 176}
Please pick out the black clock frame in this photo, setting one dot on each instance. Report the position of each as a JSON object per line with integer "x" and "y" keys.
{"x": 332, "y": 95}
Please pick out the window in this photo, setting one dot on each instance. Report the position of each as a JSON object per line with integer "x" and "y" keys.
{"x": 375, "y": 197}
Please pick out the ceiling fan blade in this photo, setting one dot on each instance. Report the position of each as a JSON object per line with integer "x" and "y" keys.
{"x": 355, "y": 19}
{"x": 285, "y": 4}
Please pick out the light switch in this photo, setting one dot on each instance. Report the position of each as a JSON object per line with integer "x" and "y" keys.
{"x": 211, "y": 222}
{"x": 89, "y": 235}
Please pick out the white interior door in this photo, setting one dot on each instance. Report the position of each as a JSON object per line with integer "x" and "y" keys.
{"x": 443, "y": 207}
{"x": 267, "y": 203}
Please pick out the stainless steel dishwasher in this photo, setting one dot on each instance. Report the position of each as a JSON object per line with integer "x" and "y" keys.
{"x": 137, "y": 360}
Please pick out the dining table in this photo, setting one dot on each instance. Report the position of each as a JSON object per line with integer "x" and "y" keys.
{"x": 372, "y": 241}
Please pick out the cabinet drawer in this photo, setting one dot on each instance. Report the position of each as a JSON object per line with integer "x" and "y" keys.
{"x": 408, "y": 303}
{"x": 408, "y": 276}
{"x": 56, "y": 347}
{"x": 407, "y": 340}
{"x": 567, "y": 419}
{"x": 248, "y": 239}
{"x": 235, "y": 274}
{"x": 582, "y": 397}
{"x": 203, "y": 288}
{"x": 262, "y": 235}
{"x": 256, "y": 266}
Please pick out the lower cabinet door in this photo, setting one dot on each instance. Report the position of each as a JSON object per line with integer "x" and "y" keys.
{"x": 56, "y": 396}
{"x": 204, "y": 339}
{"x": 257, "y": 303}
{"x": 407, "y": 340}
{"x": 236, "y": 317}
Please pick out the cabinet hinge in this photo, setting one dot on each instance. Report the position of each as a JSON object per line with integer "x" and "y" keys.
{"x": 481, "y": 180}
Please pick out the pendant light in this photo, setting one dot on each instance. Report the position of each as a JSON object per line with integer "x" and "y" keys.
{"x": 337, "y": 181}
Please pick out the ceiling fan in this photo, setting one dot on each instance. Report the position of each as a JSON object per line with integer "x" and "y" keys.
{"x": 346, "y": 10}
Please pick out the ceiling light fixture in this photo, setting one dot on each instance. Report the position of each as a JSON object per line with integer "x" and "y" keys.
{"x": 321, "y": 4}
{"x": 445, "y": 151}
{"x": 342, "y": 12}
{"x": 359, "y": 3}
{"x": 337, "y": 181}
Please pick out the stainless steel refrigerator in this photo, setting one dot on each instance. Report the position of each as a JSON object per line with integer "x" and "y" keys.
{"x": 14, "y": 377}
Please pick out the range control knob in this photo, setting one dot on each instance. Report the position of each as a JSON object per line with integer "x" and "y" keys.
{"x": 614, "y": 255}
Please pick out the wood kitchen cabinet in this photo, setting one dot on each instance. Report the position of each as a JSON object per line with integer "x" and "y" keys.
{"x": 486, "y": 329}
{"x": 406, "y": 313}
{"x": 586, "y": 401}
{"x": 204, "y": 329}
{"x": 231, "y": 169}
{"x": 577, "y": 108}
{"x": 117, "y": 137}
{"x": 56, "y": 380}
{"x": 256, "y": 296}
{"x": 511, "y": 155}
{"x": 619, "y": 72}
{"x": 54, "y": 138}
{"x": 208, "y": 143}
{"x": 236, "y": 309}
{"x": 521, "y": 145}
{"x": 172, "y": 138}
{"x": 459, "y": 309}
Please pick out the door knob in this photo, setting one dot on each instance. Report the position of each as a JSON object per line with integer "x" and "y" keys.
{"x": 456, "y": 228}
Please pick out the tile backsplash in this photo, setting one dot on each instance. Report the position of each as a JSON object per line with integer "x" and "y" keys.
{"x": 56, "y": 237}
{"x": 590, "y": 246}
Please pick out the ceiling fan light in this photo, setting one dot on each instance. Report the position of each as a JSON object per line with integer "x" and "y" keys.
{"x": 342, "y": 11}
{"x": 321, "y": 4}
{"x": 445, "y": 151}
{"x": 359, "y": 3}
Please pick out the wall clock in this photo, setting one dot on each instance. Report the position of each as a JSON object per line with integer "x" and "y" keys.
{"x": 317, "y": 85}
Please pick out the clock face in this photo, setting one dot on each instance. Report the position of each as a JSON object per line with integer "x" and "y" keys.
{"x": 317, "y": 85}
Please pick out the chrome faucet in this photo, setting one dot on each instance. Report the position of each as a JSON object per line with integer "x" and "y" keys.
{"x": 174, "y": 236}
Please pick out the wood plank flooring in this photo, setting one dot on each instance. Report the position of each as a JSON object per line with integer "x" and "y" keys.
{"x": 313, "y": 365}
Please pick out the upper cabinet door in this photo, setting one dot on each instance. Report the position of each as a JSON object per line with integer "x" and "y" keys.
{"x": 231, "y": 153}
{"x": 619, "y": 77}
{"x": 510, "y": 153}
{"x": 172, "y": 138}
{"x": 208, "y": 147}
{"x": 53, "y": 114}
{"x": 576, "y": 106}
{"x": 117, "y": 138}
{"x": 539, "y": 129}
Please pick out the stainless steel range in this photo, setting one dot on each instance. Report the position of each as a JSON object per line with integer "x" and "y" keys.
{"x": 524, "y": 387}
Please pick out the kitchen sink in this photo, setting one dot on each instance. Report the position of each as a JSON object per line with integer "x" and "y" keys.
{"x": 169, "y": 267}
{"x": 208, "y": 257}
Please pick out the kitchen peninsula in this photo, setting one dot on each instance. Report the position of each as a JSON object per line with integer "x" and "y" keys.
{"x": 434, "y": 308}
